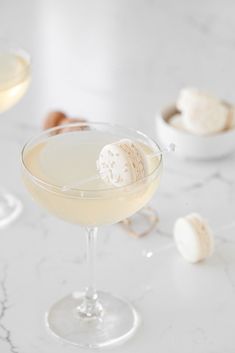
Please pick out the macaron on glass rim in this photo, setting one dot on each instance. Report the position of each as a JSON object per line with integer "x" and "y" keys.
{"x": 74, "y": 192}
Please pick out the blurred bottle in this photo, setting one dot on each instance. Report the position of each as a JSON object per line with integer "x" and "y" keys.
{"x": 99, "y": 60}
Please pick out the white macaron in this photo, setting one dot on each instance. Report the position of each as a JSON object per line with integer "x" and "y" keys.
{"x": 122, "y": 163}
{"x": 202, "y": 114}
{"x": 231, "y": 118}
{"x": 189, "y": 95}
{"x": 177, "y": 122}
{"x": 193, "y": 237}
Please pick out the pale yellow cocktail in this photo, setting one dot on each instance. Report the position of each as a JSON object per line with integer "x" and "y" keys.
{"x": 60, "y": 171}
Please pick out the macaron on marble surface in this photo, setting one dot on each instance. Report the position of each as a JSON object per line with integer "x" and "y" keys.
{"x": 193, "y": 238}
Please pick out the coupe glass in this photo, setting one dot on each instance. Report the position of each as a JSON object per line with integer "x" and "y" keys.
{"x": 65, "y": 156}
{"x": 14, "y": 82}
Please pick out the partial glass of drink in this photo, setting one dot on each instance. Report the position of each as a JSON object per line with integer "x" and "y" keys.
{"x": 15, "y": 75}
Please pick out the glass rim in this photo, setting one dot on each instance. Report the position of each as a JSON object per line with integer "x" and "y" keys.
{"x": 56, "y": 188}
{"x": 12, "y": 47}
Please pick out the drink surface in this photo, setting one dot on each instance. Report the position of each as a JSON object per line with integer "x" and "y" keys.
{"x": 14, "y": 79}
{"x": 70, "y": 158}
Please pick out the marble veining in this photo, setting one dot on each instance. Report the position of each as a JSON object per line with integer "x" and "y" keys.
{"x": 138, "y": 55}
{"x": 5, "y": 332}
{"x": 43, "y": 258}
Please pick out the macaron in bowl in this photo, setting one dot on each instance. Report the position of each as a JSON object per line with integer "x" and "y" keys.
{"x": 171, "y": 128}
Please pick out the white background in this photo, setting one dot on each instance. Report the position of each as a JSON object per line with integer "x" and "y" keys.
{"x": 120, "y": 60}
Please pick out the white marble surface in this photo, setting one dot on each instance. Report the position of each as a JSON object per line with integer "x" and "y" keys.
{"x": 152, "y": 49}
{"x": 183, "y": 307}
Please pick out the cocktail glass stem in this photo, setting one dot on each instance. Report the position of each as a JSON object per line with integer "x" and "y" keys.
{"x": 91, "y": 308}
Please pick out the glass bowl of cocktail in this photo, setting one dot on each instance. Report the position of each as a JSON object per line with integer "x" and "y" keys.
{"x": 60, "y": 171}
{"x": 15, "y": 76}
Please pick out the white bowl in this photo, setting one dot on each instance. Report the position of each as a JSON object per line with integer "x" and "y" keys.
{"x": 193, "y": 146}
